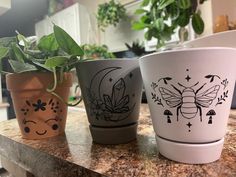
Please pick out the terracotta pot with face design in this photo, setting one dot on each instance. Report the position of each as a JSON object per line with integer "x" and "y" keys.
{"x": 39, "y": 113}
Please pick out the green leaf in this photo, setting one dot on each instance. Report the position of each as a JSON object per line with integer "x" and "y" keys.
{"x": 184, "y": 4}
{"x": 197, "y": 23}
{"x": 57, "y": 61}
{"x": 20, "y": 38}
{"x": 174, "y": 11}
{"x": 37, "y": 54}
{"x": 7, "y": 41}
{"x": 140, "y": 11}
{"x": 18, "y": 53}
{"x": 48, "y": 43}
{"x": 148, "y": 35}
{"x": 42, "y": 66}
{"x": 66, "y": 42}
{"x": 138, "y": 26}
{"x": 159, "y": 23}
{"x": 165, "y": 3}
{"x": 145, "y": 3}
{"x": 3, "y": 52}
{"x": 183, "y": 19}
{"x": 20, "y": 67}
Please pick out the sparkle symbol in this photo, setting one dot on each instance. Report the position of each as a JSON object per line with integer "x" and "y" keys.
{"x": 189, "y": 124}
{"x": 130, "y": 75}
{"x": 188, "y": 78}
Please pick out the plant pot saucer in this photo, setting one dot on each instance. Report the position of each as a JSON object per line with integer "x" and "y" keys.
{"x": 114, "y": 135}
{"x": 191, "y": 153}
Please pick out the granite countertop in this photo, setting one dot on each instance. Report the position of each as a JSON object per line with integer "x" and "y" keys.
{"x": 74, "y": 154}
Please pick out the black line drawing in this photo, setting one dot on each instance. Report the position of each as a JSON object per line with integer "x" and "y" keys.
{"x": 117, "y": 102}
{"x": 225, "y": 83}
{"x": 168, "y": 114}
{"x": 25, "y": 111}
{"x": 222, "y": 98}
{"x": 155, "y": 98}
{"x": 28, "y": 103}
{"x": 55, "y": 106}
{"x": 154, "y": 86}
{"x": 188, "y": 101}
{"x": 165, "y": 79}
{"x": 130, "y": 75}
{"x": 189, "y": 126}
{"x": 39, "y": 105}
{"x": 210, "y": 113}
{"x": 114, "y": 107}
{"x": 188, "y": 78}
{"x": 28, "y": 123}
{"x": 212, "y": 77}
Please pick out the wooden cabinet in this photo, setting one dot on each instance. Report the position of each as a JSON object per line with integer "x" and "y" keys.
{"x": 74, "y": 20}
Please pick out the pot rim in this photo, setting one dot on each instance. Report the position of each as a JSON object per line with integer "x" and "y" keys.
{"x": 179, "y": 50}
{"x": 109, "y": 60}
{"x": 35, "y": 80}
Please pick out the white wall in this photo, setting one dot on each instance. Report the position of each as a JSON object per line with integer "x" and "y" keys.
{"x": 207, "y": 16}
{"x": 92, "y": 6}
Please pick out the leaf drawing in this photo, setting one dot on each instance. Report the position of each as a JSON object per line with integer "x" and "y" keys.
{"x": 225, "y": 82}
{"x": 165, "y": 79}
{"x": 222, "y": 97}
{"x": 211, "y": 77}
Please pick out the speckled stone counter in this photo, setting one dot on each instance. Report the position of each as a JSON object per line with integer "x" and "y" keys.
{"x": 74, "y": 154}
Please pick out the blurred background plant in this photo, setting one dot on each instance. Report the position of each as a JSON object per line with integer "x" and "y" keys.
{"x": 137, "y": 48}
{"x": 94, "y": 51}
{"x": 161, "y": 19}
{"x": 110, "y": 13}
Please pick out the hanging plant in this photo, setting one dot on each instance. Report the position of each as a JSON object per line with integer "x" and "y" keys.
{"x": 110, "y": 13}
{"x": 161, "y": 18}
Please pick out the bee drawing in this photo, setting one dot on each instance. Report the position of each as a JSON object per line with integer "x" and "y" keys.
{"x": 188, "y": 101}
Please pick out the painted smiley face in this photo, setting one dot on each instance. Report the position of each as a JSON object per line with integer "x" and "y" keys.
{"x": 32, "y": 126}
{"x": 42, "y": 118}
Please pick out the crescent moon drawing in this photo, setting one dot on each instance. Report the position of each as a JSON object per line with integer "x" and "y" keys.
{"x": 95, "y": 85}
{"x": 112, "y": 103}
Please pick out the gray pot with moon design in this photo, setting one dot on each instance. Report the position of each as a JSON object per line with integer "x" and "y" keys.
{"x": 111, "y": 91}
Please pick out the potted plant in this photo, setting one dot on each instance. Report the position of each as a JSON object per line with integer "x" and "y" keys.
{"x": 110, "y": 13}
{"x": 93, "y": 51}
{"x": 40, "y": 81}
{"x": 161, "y": 19}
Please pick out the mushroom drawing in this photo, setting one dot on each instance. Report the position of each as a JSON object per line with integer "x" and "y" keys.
{"x": 210, "y": 113}
{"x": 168, "y": 114}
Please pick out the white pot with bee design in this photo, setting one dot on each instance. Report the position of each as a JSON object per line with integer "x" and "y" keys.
{"x": 111, "y": 91}
{"x": 189, "y": 93}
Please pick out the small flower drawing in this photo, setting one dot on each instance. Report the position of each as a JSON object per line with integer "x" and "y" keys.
{"x": 97, "y": 108}
{"x": 39, "y": 105}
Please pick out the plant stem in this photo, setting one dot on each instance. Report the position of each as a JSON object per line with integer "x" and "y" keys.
{"x": 55, "y": 81}
{"x": 68, "y": 104}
